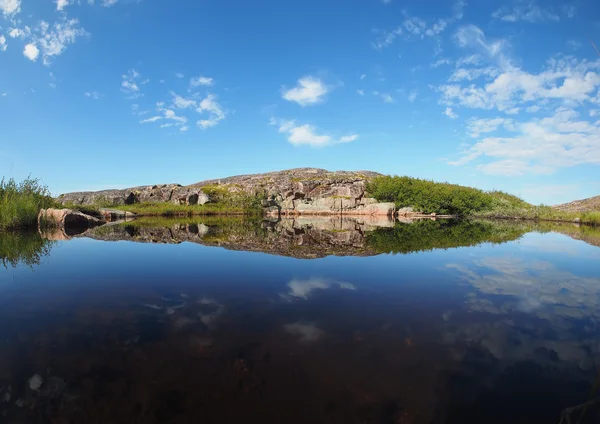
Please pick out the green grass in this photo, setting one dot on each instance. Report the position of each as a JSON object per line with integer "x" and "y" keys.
{"x": 21, "y": 202}
{"x": 23, "y": 247}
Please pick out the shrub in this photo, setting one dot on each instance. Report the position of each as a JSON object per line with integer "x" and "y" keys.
{"x": 21, "y": 202}
{"x": 428, "y": 196}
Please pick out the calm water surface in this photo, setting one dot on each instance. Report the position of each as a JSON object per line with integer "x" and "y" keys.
{"x": 319, "y": 321}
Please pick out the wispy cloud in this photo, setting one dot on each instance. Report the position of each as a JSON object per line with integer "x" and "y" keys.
{"x": 131, "y": 82}
{"x": 93, "y": 95}
{"x": 49, "y": 40}
{"x": 414, "y": 27}
{"x": 201, "y": 81}
{"x": 528, "y": 12}
{"x": 309, "y": 91}
{"x": 215, "y": 111}
{"x": 450, "y": 113}
{"x": 3, "y": 44}
{"x": 386, "y": 97}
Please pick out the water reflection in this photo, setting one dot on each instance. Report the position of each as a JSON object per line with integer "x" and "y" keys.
{"x": 27, "y": 248}
{"x": 153, "y": 331}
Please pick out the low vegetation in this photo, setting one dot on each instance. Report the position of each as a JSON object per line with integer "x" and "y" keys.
{"x": 451, "y": 199}
{"x": 21, "y": 202}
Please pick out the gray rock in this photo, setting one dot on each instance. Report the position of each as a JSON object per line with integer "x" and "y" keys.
{"x": 115, "y": 214}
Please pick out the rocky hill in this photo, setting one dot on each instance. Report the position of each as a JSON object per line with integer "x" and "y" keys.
{"x": 307, "y": 191}
{"x": 585, "y": 205}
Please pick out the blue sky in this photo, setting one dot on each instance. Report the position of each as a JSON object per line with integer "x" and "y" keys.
{"x": 116, "y": 93}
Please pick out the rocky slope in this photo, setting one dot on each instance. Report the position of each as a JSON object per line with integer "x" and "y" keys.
{"x": 302, "y": 191}
{"x": 584, "y": 205}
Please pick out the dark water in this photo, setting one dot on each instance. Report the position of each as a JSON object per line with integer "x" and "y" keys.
{"x": 315, "y": 321}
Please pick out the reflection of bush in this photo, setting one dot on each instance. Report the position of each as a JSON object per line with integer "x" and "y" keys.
{"x": 26, "y": 248}
{"x": 442, "y": 234}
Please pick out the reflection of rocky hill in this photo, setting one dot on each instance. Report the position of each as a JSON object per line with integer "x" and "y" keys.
{"x": 301, "y": 238}
{"x": 313, "y": 237}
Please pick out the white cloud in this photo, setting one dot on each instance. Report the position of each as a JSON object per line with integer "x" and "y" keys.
{"x": 19, "y": 33}
{"x": 386, "y": 38}
{"x": 515, "y": 86}
{"x": 441, "y": 62}
{"x": 109, "y": 3}
{"x": 201, "y": 81}
{"x": 129, "y": 84}
{"x": 61, "y": 4}
{"x": 472, "y": 36}
{"x": 216, "y": 113}
{"x": 528, "y": 12}
{"x": 153, "y": 119}
{"x": 412, "y": 96}
{"x": 479, "y": 126}
{"x": 310, "y": 91}
{"x": 10, "y": 7}
{"x": 169, "y": 114}
{"x": 179, "y": 75}
{"x": 53, "y": 40}
{"x": 3, "y": 45}
{"x": 363, "y": 76}
{"x": 386, "y": 1}
{"x": 360, "y": 92}
{"x": 349, "y": 138}
{"x": 307, "y": 135}
{"x": 93, "y": 95}
{"x": 386, "y": 97}
{"x": 4, "y": 95}
{"x": 538, "y": 146}
{"x": 415, "y": 27}
{"x": 471, "y": 74}
{"x": 184, "y": 128}
{"x": 31, "y": 52}
{"x": 450, "y": 113}
{"x": 307, "y": 332}
{"x": 181, "y": 102}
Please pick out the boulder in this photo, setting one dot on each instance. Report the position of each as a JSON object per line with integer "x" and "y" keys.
{"x": 382, "y": 209}
{"x": 407, "y": 211}
{"x": 115, "y": 214}
{"x": 66, "y": 218}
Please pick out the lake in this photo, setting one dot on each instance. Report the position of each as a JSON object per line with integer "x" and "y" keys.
{"x": 322, "y": 320}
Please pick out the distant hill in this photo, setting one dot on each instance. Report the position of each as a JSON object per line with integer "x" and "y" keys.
{"x": 586, "y": 205}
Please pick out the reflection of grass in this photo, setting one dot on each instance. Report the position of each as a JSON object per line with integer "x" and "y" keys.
{"x": 441, "y": 234}
{"x": 23, "y": 248}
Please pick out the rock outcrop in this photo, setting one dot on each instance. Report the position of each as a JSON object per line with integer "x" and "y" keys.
{"x": 66, "y": 218}
{"x": 303, "y": 191}
{"x": 591, "y": 204}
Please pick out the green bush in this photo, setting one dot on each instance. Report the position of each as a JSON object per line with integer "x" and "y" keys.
{"x": 21, "y": 202}
{"x": 431, "y": 197}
